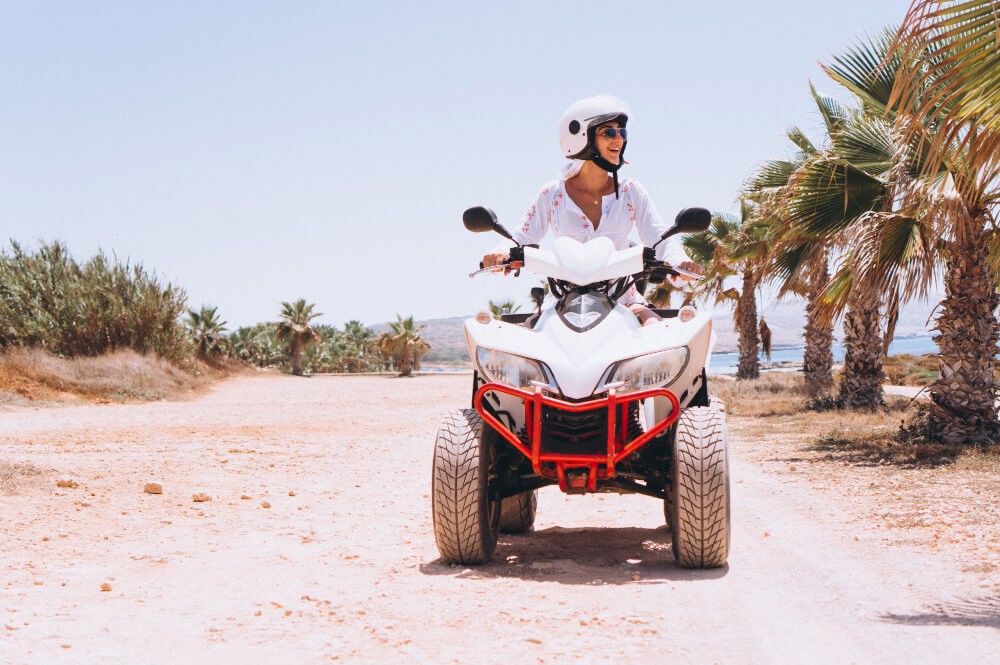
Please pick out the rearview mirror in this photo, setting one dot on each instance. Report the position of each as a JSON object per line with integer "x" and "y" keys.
{"x": 692, "y": 220}
{"x": 480, "y": 220}
{"x": 689, "y": 220}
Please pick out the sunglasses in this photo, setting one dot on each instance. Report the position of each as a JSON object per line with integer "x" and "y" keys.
{"x": 610, "y": 133}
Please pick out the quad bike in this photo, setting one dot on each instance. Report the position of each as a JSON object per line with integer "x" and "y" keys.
{"x": 580, "y": 395}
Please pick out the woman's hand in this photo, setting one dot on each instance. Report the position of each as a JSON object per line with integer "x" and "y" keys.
{"x": 494, "y": 259}
{"x": 497, "y": 259}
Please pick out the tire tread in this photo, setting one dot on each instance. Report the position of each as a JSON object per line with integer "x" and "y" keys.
{"x": 701, "y": 504}
{"x": 461, "y": 523}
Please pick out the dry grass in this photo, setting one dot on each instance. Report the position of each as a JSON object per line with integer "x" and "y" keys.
{"x": 782, "y": 394}
{"x": 13, "y": 476}
{"x": 853, "y": 437}
{"x": 33, "y": 374}
{"x": 884, "y": 445}
{"x": 773, "y": 394}
{"x": 869, "y": 439}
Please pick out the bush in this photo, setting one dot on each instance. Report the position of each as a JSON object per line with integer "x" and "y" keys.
{"x": 49, "y": 300}
{"x": 909, "y": 370}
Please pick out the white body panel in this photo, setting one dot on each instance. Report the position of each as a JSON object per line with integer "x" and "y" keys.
{"x": 583, "y": 263}
{"x": 579, "y": 360}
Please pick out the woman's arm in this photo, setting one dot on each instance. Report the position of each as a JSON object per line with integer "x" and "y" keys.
{"x": 531, "y": 228}
{"x": 651, "y": 228}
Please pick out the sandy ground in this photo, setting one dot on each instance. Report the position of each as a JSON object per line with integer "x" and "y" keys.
{"x": 342, "y": 565}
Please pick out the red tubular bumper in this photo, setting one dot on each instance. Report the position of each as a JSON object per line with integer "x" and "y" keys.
{"x": 599, "y": 467}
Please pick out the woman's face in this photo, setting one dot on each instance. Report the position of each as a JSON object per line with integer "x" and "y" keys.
{"x": 609, "y": 148}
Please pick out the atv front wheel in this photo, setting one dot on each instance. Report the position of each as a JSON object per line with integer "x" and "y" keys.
{"x": 466, "y": 521}
{"x": 699, "y": 519}
{"x": 517, "y": 513}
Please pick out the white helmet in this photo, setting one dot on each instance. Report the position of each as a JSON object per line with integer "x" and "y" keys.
{"x": 576, "y": 127}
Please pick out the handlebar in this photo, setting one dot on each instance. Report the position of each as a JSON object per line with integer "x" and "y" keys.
{"x": 655, "y": 269}
{"x": 660, "y": 270}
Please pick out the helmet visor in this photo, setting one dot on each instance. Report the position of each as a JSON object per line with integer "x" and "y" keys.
{"x": 596, "y": 120}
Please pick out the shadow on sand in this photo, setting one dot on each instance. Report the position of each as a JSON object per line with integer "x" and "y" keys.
{"x": 592, "y": 555}
{"x": 974, "y": 611}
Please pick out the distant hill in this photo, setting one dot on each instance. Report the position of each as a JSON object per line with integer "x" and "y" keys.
{"x": 785, "y": 319}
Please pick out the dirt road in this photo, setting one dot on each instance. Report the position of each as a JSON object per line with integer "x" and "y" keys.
{"x": 342, "y": 564}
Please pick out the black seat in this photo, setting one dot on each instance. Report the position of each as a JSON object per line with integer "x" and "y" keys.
{"x": 515, "y": 318}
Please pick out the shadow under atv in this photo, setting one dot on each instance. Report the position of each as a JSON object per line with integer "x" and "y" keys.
{"x": 590, "y": 555}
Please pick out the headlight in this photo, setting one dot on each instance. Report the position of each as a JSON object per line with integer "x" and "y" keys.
{"x": 513, "y": 370}
{"x": 654, "y": 370}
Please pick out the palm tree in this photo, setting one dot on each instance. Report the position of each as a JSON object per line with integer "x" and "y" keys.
{"x": 404, "y": 344}
{"x": 295, "y": 329}
{"x": 498, "y": 309}
{"x": 799, "y": 265}
{"x": 733, "y": 246}
{"x": 361, "y": 343}
{"x": 207, "y": 329}
{"x": 855, "y": 195}
{"x": 949, "y": 96}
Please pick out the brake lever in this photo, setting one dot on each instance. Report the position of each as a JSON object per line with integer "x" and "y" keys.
{"x": 497, "y": 268}
{"x": 490, "y": 269}
{"x": 686, "y": 273}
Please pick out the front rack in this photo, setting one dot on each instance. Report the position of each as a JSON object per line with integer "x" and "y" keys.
{"x": 598, "y": 467}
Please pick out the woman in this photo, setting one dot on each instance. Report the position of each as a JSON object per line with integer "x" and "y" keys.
{"x": 588, "y": 201}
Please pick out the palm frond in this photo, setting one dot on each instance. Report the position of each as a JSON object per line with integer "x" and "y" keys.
{"x": 952, "y": 79}
{"x": 700, "y": 247}
{"x": 831, "y": 194}
{"x": 868, "y": 143}
{"x": 798, "y": 137}
{"x": 834, "y": 115}
{"x": 771, "y": 175}
{"x": 868, "y": 70}
{"x": 765, "y": 338}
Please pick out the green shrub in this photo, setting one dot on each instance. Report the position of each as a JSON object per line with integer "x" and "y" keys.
{"x": 49, "y": 300}
{"x": 905, "y": 369}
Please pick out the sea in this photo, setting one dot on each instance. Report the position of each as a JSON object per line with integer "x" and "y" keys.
{"x": 726, "y": 363}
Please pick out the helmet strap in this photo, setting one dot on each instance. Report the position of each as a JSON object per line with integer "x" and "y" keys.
{"x": 609, "y": 167}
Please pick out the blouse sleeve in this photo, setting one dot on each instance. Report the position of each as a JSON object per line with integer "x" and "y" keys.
{"x": 536, "y": 220}
{"x": 651, "y": 227}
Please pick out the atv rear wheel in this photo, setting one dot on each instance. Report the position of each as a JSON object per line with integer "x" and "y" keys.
{"x": 699, "y": 510}
{"x": 517, "y": 513}
{"x": 466, "y": 520}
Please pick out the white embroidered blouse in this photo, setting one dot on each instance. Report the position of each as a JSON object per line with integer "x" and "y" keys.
{"x": 554, "y": 210}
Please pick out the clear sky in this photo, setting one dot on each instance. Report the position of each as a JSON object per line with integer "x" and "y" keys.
{"x": 254, "y": 152}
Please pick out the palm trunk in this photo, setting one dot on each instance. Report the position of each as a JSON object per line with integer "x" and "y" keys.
{"x": 861, "y": 385}
{"x": 963, "y": 399}
{"x": 405, "y": 366}
{"x": 817, "y": 360}
{"x": 296, "y": 352}
{"x": 746, "y": 324}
